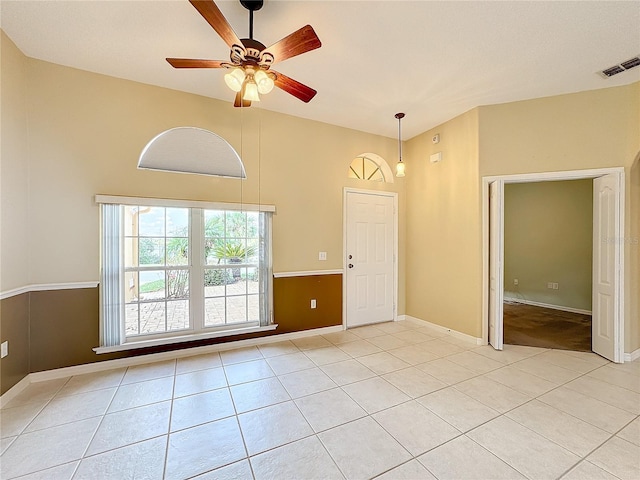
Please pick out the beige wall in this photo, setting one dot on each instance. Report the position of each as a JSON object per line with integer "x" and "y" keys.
{"x": 587, "y": 130}
{"x": 14, "y": 168}
{"x": 634, "y": 239}
{"x": 14, "y": 171}
{"x": 594, "y": 129}
{"x": 548, "y": 237}
{"x": 443, "y": 262}
{"x": 86, "y": 133}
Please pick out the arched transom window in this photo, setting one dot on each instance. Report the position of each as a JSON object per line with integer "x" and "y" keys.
{"x": 370, "y": 167}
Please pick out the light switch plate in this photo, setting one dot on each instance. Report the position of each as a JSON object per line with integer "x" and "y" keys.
{"x": 4, "y": 349}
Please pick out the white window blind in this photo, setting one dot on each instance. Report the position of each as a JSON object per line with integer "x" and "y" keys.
{"x": 111, "y": 305}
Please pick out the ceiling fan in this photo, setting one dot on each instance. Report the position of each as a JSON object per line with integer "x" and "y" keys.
{"x": 250, "y": 67}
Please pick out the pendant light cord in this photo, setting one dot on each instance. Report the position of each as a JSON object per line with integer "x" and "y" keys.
{"x": 399, "y": 116}
{"x": 399, "y": 140}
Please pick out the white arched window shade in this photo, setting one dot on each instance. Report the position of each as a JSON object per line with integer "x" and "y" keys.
{"x": 192, "y": 150}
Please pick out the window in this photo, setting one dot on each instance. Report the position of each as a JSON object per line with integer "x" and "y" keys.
{"x": 173, "y": 268}
{"x": 231, "y": 272}
{"x": 156, "y": 269}
{"x": 365, "y": 169}
{"x": 371, "y": 167}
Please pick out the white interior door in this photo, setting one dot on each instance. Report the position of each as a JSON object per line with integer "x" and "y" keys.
{"x": 606, "y": 261}
{"x": 496, "y": 260}
{"x": 369, "y": 258}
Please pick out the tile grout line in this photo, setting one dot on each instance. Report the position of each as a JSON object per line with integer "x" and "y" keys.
{"x": 367, "y": 414}
{"x": 313, "y": 434}
{"x": 83, "y": 456}
{"x": 244, "y": 442}
{"x": 166, "y": 448}
{"x": 585, "y": 457}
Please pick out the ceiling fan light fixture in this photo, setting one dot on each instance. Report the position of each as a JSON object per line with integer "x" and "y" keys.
{"x": 264, "y": 82}
{"x": 251, "y": 92}
{"x": 234, "y": 79}
{"x": 248, "y": 56}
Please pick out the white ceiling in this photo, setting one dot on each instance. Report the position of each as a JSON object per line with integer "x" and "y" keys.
{"x": 431, "y": 60}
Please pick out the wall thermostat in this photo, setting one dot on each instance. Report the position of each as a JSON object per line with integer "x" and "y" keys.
{"x": 436, "y": 138}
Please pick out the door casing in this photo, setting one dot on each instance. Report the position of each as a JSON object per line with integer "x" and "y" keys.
{"x": 549, "y": 176}
{"x": 344, "y": 248}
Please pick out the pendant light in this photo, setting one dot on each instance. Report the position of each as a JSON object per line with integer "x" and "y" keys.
{"x": 399, "y": 165}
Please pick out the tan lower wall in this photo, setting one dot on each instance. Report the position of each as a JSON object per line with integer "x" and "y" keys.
{"x": 59, "y": 328}
{"x": 292, "y": 302}
{"x": 14, "y": 328}
{"x": 64, "y": 327}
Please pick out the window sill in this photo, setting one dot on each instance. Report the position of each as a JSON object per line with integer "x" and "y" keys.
{"x": 182, "y": 339}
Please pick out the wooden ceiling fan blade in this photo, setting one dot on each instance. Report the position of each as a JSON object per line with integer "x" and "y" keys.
{"x": 195, "y": 63}
{"x": 212, "y": 14}
{"x": 240, "y": 102}
{"x": 299, "y": 42}
{"x": 294, "y": 87}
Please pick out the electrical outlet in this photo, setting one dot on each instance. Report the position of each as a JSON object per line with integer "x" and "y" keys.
{"x": 4, "y": 349}
{"x": 313, "y": 303}
{"x": 515, "y": 282}
{"x": 322, "y": 255}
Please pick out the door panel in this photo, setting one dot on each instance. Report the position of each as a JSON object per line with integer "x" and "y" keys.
{"x": 606, "y": 256}
{"x": 369, "y": 240}
{"x": 496, "y": 254}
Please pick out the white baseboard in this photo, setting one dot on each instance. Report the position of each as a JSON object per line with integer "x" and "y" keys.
{"x": 449, "y": 331}
{"x": 14, "y": 391}
{"x": 401, "y": 318}
{"x": 155, "y": 357}
{"x": 547, "y": 305}
{"x": 633, "y": 356}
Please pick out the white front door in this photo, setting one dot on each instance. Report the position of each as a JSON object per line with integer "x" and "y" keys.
{"x": 496, "y": 260}
{"x": 606, "y": 261}
{"x": 369, "y": 243}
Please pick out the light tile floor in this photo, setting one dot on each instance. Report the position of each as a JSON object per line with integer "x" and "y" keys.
{"x": 391, "y": 401}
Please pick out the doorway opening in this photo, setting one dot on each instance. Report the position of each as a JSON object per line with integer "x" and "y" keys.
{"x": 607, "y": 259}
{"x": 548, "y": 250}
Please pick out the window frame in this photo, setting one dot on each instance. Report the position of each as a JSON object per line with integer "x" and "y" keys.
{"x": 196, "y": 264}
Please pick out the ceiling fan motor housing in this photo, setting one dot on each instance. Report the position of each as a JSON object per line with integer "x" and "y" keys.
{"x": 251, "y": 54}
{"x": 252, "y": 5}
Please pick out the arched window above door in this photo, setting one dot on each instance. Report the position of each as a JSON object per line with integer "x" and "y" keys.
{"x": 371, "y": 167}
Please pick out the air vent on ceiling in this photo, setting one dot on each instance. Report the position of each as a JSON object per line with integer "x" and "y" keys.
{"x": 622, "y": 67}
{"x": 634, "y": 62}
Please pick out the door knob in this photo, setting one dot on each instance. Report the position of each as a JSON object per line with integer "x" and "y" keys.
{"x": 351, "y": 265}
